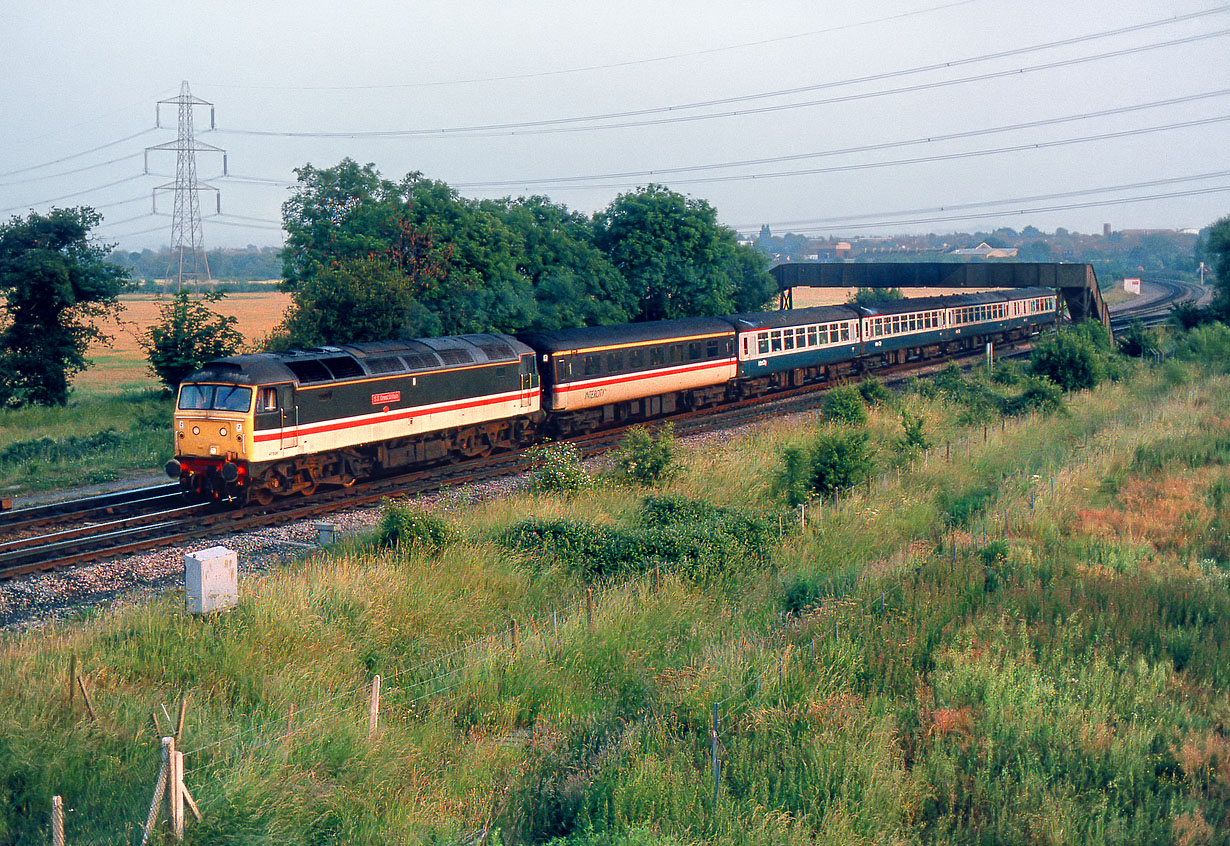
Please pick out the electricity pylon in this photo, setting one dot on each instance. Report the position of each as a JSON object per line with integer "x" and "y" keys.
{"x": 187, "y": 259}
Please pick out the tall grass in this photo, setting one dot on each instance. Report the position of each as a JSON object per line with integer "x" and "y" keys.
{"x": 881, "y": 674}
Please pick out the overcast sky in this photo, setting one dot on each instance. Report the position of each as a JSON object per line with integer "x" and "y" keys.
{"x": 827, "y": 118}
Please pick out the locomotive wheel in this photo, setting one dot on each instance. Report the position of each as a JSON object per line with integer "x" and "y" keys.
{"x": 263, "y": 496}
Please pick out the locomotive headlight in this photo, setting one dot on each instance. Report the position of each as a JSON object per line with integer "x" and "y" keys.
{"x": 196, "y": 430}
{"x": 222, "y": 431}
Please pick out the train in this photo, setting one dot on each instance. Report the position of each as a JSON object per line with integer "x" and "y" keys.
{"x": 256, "y": 427}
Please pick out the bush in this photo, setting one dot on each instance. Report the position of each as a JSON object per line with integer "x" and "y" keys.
{"x": 1207, "y": 345}
{"x": 188, "y": 334}
{"x": 557, "y": 469}
{"x": 646, "y": 458}
{"x": 1074, "y": 359}
{"x": 845, "y": 403}
{"x": 874, "y": 391}
{"x": 835, "y": 459}
{"x": 1136, "y": 341}
{"x": 404, "y": 527}
{"x": 913, "y": 439}
{"x": 1039, "y": 395}
{"x": 691, "y": 537}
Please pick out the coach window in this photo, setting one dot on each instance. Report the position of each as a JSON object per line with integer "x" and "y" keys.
{"x": 762, "y": 343}
{"x": 694, "y": 351}
{"x": 788, "y": 339}
{"x": 657, "y": 355}
{"x": 776, "y": 338}
{"x": 592, "y": 367}
{"x": 676, "y": 353}
{"x": 711, "y": 347}
{"x": 811, "y": 336}
{"x": 636, "y": 359}
{"x": 845, "y": 331}
{"x": 615, "y": 362}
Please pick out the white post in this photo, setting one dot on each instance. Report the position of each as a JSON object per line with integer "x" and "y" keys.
{"x": 57, "y": 821}
{"x": 373, "y": 713}
{"x": 175, "y": 793}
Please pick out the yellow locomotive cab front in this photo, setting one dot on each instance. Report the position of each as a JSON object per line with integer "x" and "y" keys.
{"x": 213, "y": 434}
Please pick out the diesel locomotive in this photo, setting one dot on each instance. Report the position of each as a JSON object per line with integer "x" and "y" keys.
{"x": 256, "y": 427}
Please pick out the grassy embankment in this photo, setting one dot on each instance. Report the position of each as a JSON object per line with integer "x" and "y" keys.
{"x": 884, "y": 675}
{"x": 117, "y": 423}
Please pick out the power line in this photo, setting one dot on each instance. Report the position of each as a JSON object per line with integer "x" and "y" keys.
{"x": 551, "y": 180}
{"x": 79, "y": 155}
{"x": 68, "y": 172}
{"x": 1036, "y": 210}
{"x": 938, "y": 157}
{"x": 570, "y": 124}
{"x": 1131, "y": 186}
{"x": 75, "y": 193}
{"x": 608, "y": 66}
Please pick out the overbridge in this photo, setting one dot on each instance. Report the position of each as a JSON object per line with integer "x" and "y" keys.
{"x": 1076, "y": 283}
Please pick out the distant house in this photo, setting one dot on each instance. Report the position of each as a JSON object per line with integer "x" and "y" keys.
{"x": 985, "y": 251}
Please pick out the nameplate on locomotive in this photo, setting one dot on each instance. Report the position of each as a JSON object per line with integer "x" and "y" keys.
{"x": 389, "y": 396}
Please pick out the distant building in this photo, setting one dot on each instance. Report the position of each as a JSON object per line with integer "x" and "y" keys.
{"x": 985, "y": 251}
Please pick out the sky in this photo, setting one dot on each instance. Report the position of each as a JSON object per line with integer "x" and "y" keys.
{"x": 833, "y": 119}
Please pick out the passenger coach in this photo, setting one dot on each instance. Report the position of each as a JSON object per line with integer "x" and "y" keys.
{"x": 604, "y": 374}
{"x": 787, "y": 348}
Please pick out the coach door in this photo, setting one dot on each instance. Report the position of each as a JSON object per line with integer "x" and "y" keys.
{"x": 527, "y": 380}
{"x": 290, "y": 417}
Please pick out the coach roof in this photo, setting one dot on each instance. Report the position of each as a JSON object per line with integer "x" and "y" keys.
{"x": 791, "y": 317}
{"x": 626, "y": 334}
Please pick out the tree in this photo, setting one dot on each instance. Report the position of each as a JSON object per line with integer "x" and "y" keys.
{"x": 1074, "y": 359}
{"x": 1216, "y": 248}
{"x": 56, "y": 283}
{"x": 677, "y": 260}
{"x": 573, "y": 283}
{"x": 188, "y": 334}
{"x": 354, "y": 299}
{"x": 446, "y": 265}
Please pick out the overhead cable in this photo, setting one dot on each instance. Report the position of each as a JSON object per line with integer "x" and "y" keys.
{"x": 938, "y": 157}
{"x": 929, "y": 139}
{"x": 1023, "y": 211}
{"x": 608, "y": 66}
{"x": 570, "y": 124}
{"x": 951, "y": 207}
{"x": 75, "y": 193}
{"x": 126, "y": 138}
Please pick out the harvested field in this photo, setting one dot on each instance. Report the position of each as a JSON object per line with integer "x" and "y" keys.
{"x": 121, "y": 362}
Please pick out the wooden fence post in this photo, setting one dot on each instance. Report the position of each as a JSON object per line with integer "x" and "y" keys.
{"x": 657, "y": 575}
{"x": 373, "y": 713}
{"x": 183, "y": 711}
{"x": 57, "y": 821}
{"x": 72, "y": 676}
{"x": 85, "y": 695}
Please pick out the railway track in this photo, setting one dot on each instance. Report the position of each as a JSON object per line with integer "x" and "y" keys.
{"x": 126, "y": 522}
{"x": 180, "y": 524}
